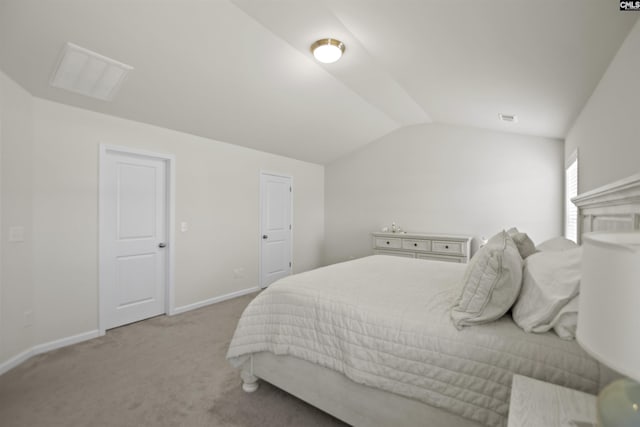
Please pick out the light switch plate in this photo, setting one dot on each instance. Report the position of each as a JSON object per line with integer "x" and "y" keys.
{"x": 28, "y": 318}
{"x": 184, "y": 226}
{"x": 16, "y": 234}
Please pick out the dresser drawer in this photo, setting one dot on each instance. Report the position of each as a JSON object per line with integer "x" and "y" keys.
{"x": 416, "y": 245}
{"x": 388, "y": 242}
{"x": 443, "y": 246}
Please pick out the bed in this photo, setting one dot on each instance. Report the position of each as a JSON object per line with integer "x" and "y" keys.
{"x": 370, "y": 341}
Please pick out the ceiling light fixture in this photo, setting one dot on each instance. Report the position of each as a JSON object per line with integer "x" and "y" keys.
{"x": 327, "y": 51}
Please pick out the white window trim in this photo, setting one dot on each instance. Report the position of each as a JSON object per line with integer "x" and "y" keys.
{"x": 571, "y": 191}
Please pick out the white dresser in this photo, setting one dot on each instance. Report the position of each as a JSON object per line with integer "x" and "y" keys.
{"x": 443, "y": 247}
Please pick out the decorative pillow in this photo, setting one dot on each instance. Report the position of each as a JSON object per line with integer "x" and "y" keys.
{"x": 524, "y": 244}
{"x": 491, "y": 283}
{"x": 550, "y": 280}
{"x": 557, "y": 244}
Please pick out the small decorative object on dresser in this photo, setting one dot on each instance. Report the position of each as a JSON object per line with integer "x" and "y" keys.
{"x": 441, "y": 247}
{"x": 535, "y": 403}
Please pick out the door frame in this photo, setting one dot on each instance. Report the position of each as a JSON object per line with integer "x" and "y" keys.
{"x": 281, "y": 175}
{"x": 170, "y": 163}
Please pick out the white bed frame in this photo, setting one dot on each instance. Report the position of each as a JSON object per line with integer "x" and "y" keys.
{"x": 334, "y": 393}
{"x": 613, "y": 207}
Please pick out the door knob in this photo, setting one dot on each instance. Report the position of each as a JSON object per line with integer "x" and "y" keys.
{"x": 264, "y": 236}
{"x": 162, "y": 245}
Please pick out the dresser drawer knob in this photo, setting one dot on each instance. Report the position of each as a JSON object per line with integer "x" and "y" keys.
{"x": 388, "y": 242}
{"x": 446, "y": 246}
{"x": 415, "y": 244}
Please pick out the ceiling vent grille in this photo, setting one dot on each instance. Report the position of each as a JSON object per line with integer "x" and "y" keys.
{"x": 88, "y": 73}
{"x": 509, "y": 118}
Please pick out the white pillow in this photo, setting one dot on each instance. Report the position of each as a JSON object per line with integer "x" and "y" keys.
{"x": 557, "y": 244}
{"x": 523, "y": 242}
{"x": 491, "y": 283}
{"x": 550, "y": 280}
{"x": 566, "y": 322}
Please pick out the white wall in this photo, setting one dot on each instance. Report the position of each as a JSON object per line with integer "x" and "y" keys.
{"x": 607, "y": 131}
{"x": 447, "y": 179}
{"x": 217, "y": 193}
{"x": 50, "y": 185}
{"x": 16, "y": 170}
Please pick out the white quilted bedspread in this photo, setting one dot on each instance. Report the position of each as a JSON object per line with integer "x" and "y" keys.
{"x": 384, "y": 322}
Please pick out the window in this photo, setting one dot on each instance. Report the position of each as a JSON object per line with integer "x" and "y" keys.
{"x": 571, "y": 191}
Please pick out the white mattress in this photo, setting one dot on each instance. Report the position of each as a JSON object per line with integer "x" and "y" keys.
{"x": 384, "y": 322}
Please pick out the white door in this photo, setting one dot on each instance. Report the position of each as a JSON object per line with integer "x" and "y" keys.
{"x": 133, "y": 238}
{"x": 276, "y": 228}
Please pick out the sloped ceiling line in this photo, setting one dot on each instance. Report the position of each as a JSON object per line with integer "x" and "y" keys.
{"x": 357, "y": 69}
{"x": 240, "y": 71}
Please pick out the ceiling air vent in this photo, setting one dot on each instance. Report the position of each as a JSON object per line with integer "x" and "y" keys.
{"x": 510, "y": 118}
{"x": 88, "y": 73}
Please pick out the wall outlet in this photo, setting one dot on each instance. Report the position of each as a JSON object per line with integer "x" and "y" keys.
{"x": 16, "y": 234}
{"x": 28, "y": 318}
{"x": 238, "y": 273}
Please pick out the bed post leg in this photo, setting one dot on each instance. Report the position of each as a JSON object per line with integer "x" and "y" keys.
{"x": 249, "y": 381}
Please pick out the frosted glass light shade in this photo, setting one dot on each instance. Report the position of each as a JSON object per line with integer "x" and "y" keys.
{"x": 327, "y": 51}
{"x": 619, "y": 404}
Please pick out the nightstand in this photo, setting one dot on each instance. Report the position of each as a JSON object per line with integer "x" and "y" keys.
{"x": 535, "y": 403}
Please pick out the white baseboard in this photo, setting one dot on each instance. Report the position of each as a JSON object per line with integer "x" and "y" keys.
{"x": 63, "y": 342}
{"x": 214, "y": 300}
{"x": 43, "y": 348}
{"x": 15, "y": 361}
{"x": 74, "y": 339}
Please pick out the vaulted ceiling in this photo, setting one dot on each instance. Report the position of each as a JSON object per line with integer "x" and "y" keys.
{"x": 240, "y": 71}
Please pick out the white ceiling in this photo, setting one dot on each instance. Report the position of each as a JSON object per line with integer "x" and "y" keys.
{"x": 240, "y": 71}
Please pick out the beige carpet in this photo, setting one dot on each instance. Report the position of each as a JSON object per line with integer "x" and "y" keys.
{"x": 165, "y": 371}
